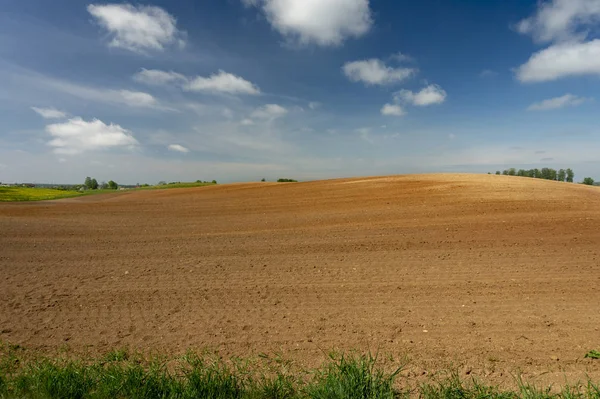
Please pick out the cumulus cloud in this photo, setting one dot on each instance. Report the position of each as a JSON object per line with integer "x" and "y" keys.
{"x": 561, "y": 20}
{"x": 325, "y": 23}
{"x": 49, "y": 113}
{"x": 137, "y": 28}
{"x": 77, "y": 136}
{"x": 157, "y": 77}
{"x": 430, "y": 95}
{"x": 178, "y": 148}
{"x": 567, "y": 25}
{"x": 568, "y": 100}
{"x": 222, "y": 82}
{"x": 375, "y": 72}
{"x": 561, "y": 60}
{"x": 392, "y": 110}
{"x": 269, "y": 111}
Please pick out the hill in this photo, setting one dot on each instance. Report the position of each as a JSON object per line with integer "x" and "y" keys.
{"x": 488, "y": 272}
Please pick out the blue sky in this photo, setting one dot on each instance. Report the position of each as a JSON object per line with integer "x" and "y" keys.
{"x": 238, "y": 90}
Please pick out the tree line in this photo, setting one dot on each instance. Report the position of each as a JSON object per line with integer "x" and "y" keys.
{"x": 92, "y": 184}
{"x": 566, "y": 175}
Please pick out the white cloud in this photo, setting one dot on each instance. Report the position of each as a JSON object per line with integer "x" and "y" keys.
{"x": 178, "y": 148}
{"x": 568, "y": 100}
{"x": 400, "y": 57}
{"x": 157, "y": 77}
{"x": 314, "y": 105}
{"x": 566, "y": 24}
{"x": 247, "y": 122}
{"x": 136, "y": 98}
{"x": 120, "y": 97}
{"x": 222, "y": 82}
{"x": 138, "y": 28}
{"x": 561, "y": 20}
{"x": 430, "y": 95}
{"x": 269, "y": 111}
{"x": 325, "y": 23}
{"x": 49, "y": 113}
{"x": 392, "y": 110}
{"x": 77, "y": 135}
{"x": 562, "y": 60}
{"x": 365, "y": 134}
{"x": 488, "y": 73}
{"x": 375, "y": 72}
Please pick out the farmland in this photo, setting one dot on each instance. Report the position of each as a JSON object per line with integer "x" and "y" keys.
{"x": 488, "y": 274}
{"x": 10, "y": 194}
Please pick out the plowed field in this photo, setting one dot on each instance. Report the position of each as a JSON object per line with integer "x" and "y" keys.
{"x": 490, "y": 273}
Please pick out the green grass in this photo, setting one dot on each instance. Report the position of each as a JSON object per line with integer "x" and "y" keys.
{"x": 120, "y": 374}
{"x": 11, "y": 194}
{"x": 15, "y": 194}
{"x": 593, "y": 354}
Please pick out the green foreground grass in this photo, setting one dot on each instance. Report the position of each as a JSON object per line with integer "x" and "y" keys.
{"x": 122, "y": 375}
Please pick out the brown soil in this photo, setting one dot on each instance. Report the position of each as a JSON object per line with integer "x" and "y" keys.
{"x": 492, "y": 274}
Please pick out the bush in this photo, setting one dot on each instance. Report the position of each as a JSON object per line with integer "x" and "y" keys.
{"x": 588, "y": 181}
{"x": 287, "y": 181}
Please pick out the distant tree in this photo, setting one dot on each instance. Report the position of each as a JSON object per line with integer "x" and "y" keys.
{"x": 162, "y": 183}
{"x": 113, "y": 185}
{"x": 512, "y": 172}
{"x": 103, "y": 185}
{"x": 497, "y": 172}
{"x": 94, "y": 184}
{"x": 588, "y": 181}
{"x": 88, "y": 183}
{"x": 287, "y": 181}
{"x": 570, "y": 175}
{"x": 214, "y": 182}
{"x": 562, "y": 175}
{"x": 522, "y": 172}
{"x": 505, "y": 172}
{"x": 552, "y": 175}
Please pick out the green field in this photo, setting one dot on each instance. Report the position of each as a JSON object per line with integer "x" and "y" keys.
{"x": 15, "y": 194}
{"x": 11, "y": 194}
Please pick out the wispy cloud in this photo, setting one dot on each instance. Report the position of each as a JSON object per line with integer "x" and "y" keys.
{"x": 568, "y": 100}
{"x": 220, "y": 82}
{"x": 392, "y": 110}
{"x": 178, "y": 148}
{"x": 49, "y": 113}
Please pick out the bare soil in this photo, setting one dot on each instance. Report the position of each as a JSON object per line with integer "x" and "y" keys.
{"x": 489, "y": 274}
